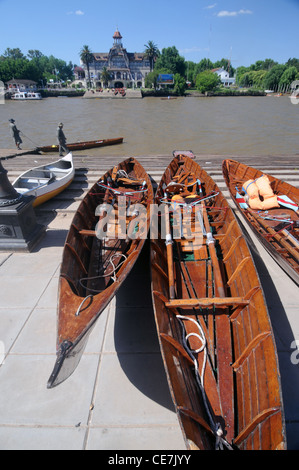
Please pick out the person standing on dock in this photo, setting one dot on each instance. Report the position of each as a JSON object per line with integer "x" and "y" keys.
{"x": 15, "y": 133}
{"x": 61, "y": 140}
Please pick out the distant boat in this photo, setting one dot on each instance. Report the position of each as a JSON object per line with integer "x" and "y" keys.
{"x": 46, "y": 181}
{"x": 26, "y": 95}
{"x": 82, "y": 145}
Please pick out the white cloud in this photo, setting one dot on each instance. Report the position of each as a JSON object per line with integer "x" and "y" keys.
{"x": 77, "y": 12}
{"x": 209, "y": 7}
{"x": 234, "y": 13}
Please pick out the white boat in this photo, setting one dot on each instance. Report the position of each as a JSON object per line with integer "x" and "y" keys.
{"x": 26, "y": 95}
{"x": 46, "y": 181}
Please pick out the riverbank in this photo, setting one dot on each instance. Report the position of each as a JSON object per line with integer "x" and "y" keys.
{"x": 196, "y": 94}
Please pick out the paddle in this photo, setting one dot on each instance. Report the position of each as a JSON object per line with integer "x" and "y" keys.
{"x": 169, "y": 251}
{"x": 274, "y": 234}
{"x": 213, "y": 253}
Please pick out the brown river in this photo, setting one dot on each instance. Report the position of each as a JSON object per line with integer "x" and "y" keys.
{"x": 151, "y": 126}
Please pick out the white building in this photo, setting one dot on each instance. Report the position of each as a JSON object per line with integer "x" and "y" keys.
{"x": 126, "y": 69}
{"x": 226, "y": 80}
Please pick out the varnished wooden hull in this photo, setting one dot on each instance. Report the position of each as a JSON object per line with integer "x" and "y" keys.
{"x": 82, "y": 145}
{"x": 284, "y": 249}
{"x": 93, "y": 266}
{"x": 217, "y": 296}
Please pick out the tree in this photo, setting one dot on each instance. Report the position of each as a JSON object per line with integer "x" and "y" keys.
{"x": 189, "y": 74}
{"x": 289, "y": 75}
{"x": 87, "y": 57}
{"x": 34, "y": 54}
{"x": 151, "y": 79}
{"x": 105, "y": 75}
{"x": 171, "y": 61}
{"x": 293, "y": 63}
{"x": 207, "y": 81}
{"x": 273, "y": 77}
{"x": 15, "y": 53}
{"x": 179, "y": 84}
{"x": 152, "y": 52}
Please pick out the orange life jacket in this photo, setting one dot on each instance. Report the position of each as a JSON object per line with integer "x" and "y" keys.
{"x": 260, "y": 193}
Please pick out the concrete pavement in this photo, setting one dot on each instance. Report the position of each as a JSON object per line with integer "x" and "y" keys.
{"x": 118, "y": 396}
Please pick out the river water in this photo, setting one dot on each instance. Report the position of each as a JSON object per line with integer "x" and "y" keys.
{"x": 151, "y": 126}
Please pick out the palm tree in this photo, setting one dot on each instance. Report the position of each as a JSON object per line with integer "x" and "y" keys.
{"x": 87, "y": 57}
{"x": 105, "y": 75}
{"x": 151, "y": 51}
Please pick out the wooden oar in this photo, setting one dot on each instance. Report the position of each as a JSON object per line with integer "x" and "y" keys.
{"x": 169, "y": 252}
{"x": 278, "y": 237}
{"x": 213, "y": 254}
{"x": 223, "y": 337}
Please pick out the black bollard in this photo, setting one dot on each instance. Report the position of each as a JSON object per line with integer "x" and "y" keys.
{"x": 19, "y": 230}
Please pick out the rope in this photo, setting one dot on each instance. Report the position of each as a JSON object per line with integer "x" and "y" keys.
{"x": 113, "y": 276}
{"x": 221, "y": 442}
{"x": 183, "y": 204}
{"x": 29, "y": 139}
{"x": 80, "y": 306}
{"x": 120, "y": 192}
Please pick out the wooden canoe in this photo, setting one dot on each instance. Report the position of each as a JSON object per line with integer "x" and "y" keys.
{"x": 212, "y": 321}
{"x": 277, "y": 228}
{"x": 46, "y": 181}
{"x": 82, "y": 145}
{"x": 105, "y": 238}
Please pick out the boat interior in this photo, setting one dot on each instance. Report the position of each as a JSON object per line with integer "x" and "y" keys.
{"x": 278, "y": 222}
{"x": 92, "y": 262}
{"x": 213, "y": 325}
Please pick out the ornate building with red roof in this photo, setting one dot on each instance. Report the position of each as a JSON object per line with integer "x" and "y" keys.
{"x": 126, "y": 69}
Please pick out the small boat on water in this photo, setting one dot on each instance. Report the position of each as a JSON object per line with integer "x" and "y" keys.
{"x": 82, "y": 145}
{"x": 46, "y": 181}
{"x": 213, "y": 325}
{"x": 104, "y": 241}
{"x": 26, "y": 96}
{"x": 271, "y": 207}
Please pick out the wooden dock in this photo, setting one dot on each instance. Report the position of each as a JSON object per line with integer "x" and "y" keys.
{"x": 90, "y": 168}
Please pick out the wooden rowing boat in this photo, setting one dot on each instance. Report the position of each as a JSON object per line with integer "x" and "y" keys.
{"x": 82, "y": 145}
{"x": 212, "y": 321}
{"x": 105, "y": 238}
{"x": 277, "y": 228}
{"x": 46, "y": 181}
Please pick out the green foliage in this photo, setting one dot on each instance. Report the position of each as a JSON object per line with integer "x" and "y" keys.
{"x": 207, "y": 81}
{"x": 179, "y": 84}
{"x": 152, "y": 52}
{"x": 171, "y": 61}
{"x": 274, "y": 75}
{"x": 105, "y": 76}
{"x": 288, "y": 76}
{"x": 151, "y": 79}
{"x": 36, "y": 66}
{"x": 87, "y": 58}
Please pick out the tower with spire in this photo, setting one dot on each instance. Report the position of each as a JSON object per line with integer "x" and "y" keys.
{"x": 126, "y": 69}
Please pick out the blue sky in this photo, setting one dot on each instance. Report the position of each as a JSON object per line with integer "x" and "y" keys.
{"x": 243, "y": 30}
